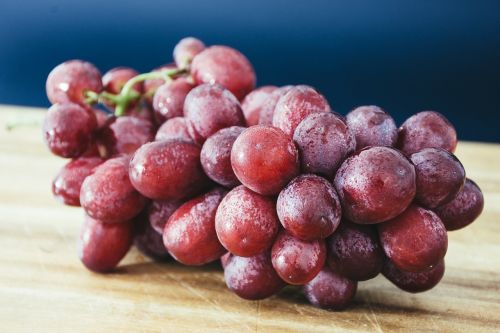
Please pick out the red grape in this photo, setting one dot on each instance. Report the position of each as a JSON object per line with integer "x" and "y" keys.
{"x": 66, "y": 185}
{"x": 101, "y": 246}
{"x": 68, "y": 129}
{"x": 69, "y": 81}
{"x": 440, "y": 176}
{"x": 114, "y": 80}
{"x": 264, "y": 159}
{"x": 253, "y": 103}
{"x": 108, "y": 195}
{"x": 160, "y": 211}
{"x": 267, "y": 109}
{"x": 324, "y": 141}
{"x": 463, "y": 209}
{"x": 216, "y": 156}
{"x": 141, "y": 110}
{"x": 413, "y": 282}
{"x": 225, "y": 66}
{"x": 186, "y": 49}
{"x": 165, "y": 170}
{"x": 125, "y": 135}
{"x": 296, "y": 261}
{"x": 174, "y": 128}
{"x": 354, "y": 251}
{"x": 372, "y": 126}
{"x": 189, "y": 234}
{"x": 253, "y": 277}
{"x": 148, "y": 240}
{"x": 209, "y": 108}
{"x": 168, "y": 100}
{"x": 102, "y": 117}
{"x": 415, "y": 241}
{"x": 295, "y": 105}
{"x": 375, "y": 184}
{"x": 427, "y": 129}
{"x": 309, "y": 208}
{"x": 246, "y": 222}
{"x": 330, "y": 290}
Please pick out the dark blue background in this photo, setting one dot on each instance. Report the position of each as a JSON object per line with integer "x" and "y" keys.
{"x": 405, "y": 56}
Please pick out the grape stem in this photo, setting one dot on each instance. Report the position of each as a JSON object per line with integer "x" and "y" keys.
{"x": 128, "y": 94}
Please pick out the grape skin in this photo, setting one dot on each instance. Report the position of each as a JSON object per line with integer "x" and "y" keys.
{"x": 168, "y": 100}
{"x": 464, "y": 209}
{"x": 174, "y": 128}
{"x": 225, "y": 66}
{"x": 101, "y": 246}
{"x": 69, "y": 81}
{"x": 375, "y": 184}
{"x": 264, "y": 159}
{"x": 209, "y": 108}
{"x": 68, "y": 129}
{"x": 216, "y": 156}
{"x": 413, "y": 282}
{"x": 185, "y": 50}
{"x": 68, "y": 182}
{"x": 372, "y": 126}
{"x": 427, "y": 129}
{"x": 309, "y": 208}
{"x": 189, "y": 234}
{"x": 108, "y": 195}
{"x": 254, "y": 102}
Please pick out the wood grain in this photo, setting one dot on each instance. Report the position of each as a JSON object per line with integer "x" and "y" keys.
{"x": 44, "y": 288}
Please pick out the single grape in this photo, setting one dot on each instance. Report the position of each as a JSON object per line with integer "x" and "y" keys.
{"x": 209, "y": 108}
{"x": 264, "y": 159}
{"x": 309, "y": 208}
{"x": 295, "y": 105}
{"x": 174, "y": 128}
{"x": 375, "y": 184}
{"x": 147, "y": 240}
{"x": 464, "y": 208}
{"x": 159, "y": 211}
{"x": 440, "y": 176}
{"x": 142, "y": 110}
{"x": 69, "y": 81}
{"x": 354, "y": 251}
{"x": 415, "y": 241}
{"x": 165, "y": 170}
{"x": 330, "y": 290}
{"x": 296, "y": 261}
{"x": 324, "y": 141}
{"x": 225, "y": 66}
{"x": 246, "y": 222}
{"x": 114, "y": 80}
{"x": 125, "y": 135}
{"x": 253, "y": 103}
{"x": 413, "y": 282}
{"x": 168, "y": 100}
{"x": 68, "y": 129}
{"x": 189, "y": 234}
{"x": 216, "y": 156}
{"x": 185, "y": 50}
{"x": 269, "y": 105}
{"x": 372, "y": 126}
{"x": 101, "y": 246}
{"x": 427, "y": 129}
{"x": 108, "y": 195}
{"x": 253, "y": 277}
{"x": 66, "y": 185}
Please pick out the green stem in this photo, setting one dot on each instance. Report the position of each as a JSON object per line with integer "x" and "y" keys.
{"x": 126, "y": 94}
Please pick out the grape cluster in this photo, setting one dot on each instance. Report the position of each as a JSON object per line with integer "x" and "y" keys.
{"x": 191, "y": 162}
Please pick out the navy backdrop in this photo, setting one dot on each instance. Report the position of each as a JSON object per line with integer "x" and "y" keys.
{"x": 404, "y": 56}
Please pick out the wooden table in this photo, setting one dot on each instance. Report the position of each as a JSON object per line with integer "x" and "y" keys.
{"x": 44, "y": 288}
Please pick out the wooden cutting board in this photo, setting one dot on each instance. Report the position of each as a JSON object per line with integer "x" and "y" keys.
{"x": 44, "y": 288}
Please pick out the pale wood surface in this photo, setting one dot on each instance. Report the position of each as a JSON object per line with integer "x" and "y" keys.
{"x": 44, "y": 288}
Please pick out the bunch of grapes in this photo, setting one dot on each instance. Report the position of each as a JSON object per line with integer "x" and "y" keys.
{"x": 191, "y": 162}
